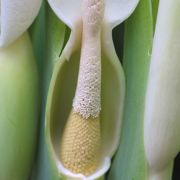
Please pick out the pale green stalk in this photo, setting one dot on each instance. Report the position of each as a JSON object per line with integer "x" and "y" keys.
{"x": 130, "y": 162}
{"x": 54, "y": 41}
{"x": 155, "y": 5}
{"x": 37, "y": 34}
{"x": 18, "y": 109}
{"x": 19, "y": 90}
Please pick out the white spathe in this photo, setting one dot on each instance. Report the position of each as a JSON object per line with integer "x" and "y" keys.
{"x": 16, "y": 16}
{"x": 70, "y": 12}
{"x": 116, "y": 11}
{"x": 162, "y": 107}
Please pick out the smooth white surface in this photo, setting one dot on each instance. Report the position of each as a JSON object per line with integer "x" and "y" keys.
{"x": 162, "y": 107}
{"x": 16, "y": 16}
{"x": 67, "y": 10}
{"x": 116, "y": 11}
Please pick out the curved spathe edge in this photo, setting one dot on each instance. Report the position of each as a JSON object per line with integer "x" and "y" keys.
{"x": 111, "y": 123}
{"x": 74, "y": 41}
{"x": 103, "y": 168}
{"x": 68, "y": 12}
{"x": 109, "y": 50}
{"x": 16, "y": 16}
{"x": 118, "y": 11}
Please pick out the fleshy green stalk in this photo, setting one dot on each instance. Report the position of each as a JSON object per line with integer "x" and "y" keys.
{"x": 18, "y": 109}
{"x": 155, "y": 5}
{"x": 54, "y": 38}
{"x": 129, "y": 162}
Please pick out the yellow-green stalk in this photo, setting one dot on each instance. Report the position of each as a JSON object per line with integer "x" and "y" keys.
{"x": 48, "y": 54}
{"x": 18, "y": 109}
{"x": 130, "y": 162}
{"x": 18, "y": 90}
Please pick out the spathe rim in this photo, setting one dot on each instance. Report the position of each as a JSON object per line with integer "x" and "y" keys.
{"x": 16, "y": 16}
{"x": 116, "y": 11}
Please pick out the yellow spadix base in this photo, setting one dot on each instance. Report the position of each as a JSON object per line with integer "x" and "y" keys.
{"x": 81, "y": 144}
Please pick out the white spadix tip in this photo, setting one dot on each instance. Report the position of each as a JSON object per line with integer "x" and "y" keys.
{"x": 16, "y": 16}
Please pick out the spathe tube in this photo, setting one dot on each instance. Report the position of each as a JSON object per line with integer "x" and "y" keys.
{"x": 65, "y": 77}
{"x": 162, "y": 107}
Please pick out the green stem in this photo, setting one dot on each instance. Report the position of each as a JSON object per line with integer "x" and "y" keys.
{"x": 54, "y": 38}
{"x": 155, "y": 4}
{"x": 130, "y": 162}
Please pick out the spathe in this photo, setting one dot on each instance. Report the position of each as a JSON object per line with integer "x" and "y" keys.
{"x": 16, "y": 17}
{"x": 116, "y": 11}
{"x": 65, "y": 75}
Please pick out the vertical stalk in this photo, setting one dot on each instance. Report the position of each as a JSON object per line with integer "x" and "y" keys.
{"x": 19, "y": 107}
{"x": 54, "y": 37}
{"x": 155, "y": 5}
{"x": 130, "y": 162}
